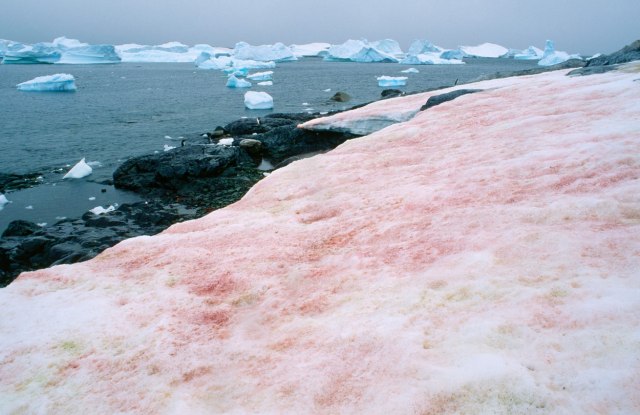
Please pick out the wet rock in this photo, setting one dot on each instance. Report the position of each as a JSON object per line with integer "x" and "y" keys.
{"x": 10, "y": 181}
{"x": 391, "y": 93}
{"x": 606, "y": 63}
{"x": 340, "y": 97}
{"x": 20, "y": 228}
{"x": 449, "y": 96}
{"x": 251, "y": 146}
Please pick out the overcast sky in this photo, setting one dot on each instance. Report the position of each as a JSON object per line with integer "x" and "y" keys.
{"x": 577, "y": 26}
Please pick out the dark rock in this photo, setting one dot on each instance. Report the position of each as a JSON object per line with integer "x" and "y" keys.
{"x": 611, "y": 62}
{"x": 627, "y": 54}
{"x": 253, "y": 147}
{"x": 217, "y": 133}
{"x": 290, "y": 160}
{"x": 391, "y": 93}
{"x": 10, "y": 181}
{"x": 341, "y": 97}
{"x": 20, "y": 228}
{"x": 442, "y": 98}
{"x": 171, "y": 169}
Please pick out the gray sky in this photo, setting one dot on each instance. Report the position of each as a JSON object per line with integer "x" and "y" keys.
{"x": 577, "y": 26}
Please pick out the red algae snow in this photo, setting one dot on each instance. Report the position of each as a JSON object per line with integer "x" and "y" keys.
{"x": 481, "y": 257}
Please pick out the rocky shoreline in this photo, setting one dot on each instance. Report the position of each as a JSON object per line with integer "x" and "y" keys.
{"x": 206, "y": 173}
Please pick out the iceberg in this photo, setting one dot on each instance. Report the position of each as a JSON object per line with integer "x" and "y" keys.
{"x": 392, "y": 80}
{"x": 410, "y": 70}
{"x": 213, "y": 63}
{"x": 485, "y": 50}
{"x": 80, "y": 170}
{"x": 453, "y": 54}
{"x": 60, "y": 82}
{"x": 261, "y": 76}
{"x": 64, "y": 43}
{"x": 32, "y": 54}
{"x": 234, "y": 82}
{"x": 171, "y": 52}
{"x": 310, "y": 49}
{"x": 266, "y": 83}
{"x": 531, "y": 53}
{"x": 388, "y": 46}
{"x": 553, "y": 57}
{"x": 357, "y": 51}
{"x": 3, "y": 201}
{"x": 90, "y": 54}
{"x": 419, "y": 47}
{"x": 258, "y": 100}
{"x": 262, "y": 53}
{"x": 238, "y": 73}
{"x": 251, "y": 64}
{"x": 429, "y": 59}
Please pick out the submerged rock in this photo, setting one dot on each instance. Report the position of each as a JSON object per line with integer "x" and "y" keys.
{"x": 340, "y": 97}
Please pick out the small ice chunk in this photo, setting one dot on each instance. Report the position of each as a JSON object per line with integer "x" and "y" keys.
{"x": 3, "y": 201}
{"x": 80, "y": 170}
{"x": 265, "y": 165}
{"x": 42, "y": 224}
{"x": 167, "y": 147}
{"x": 234, "y": 82}
{"x": 266, "y": 83}
{"x": 261, "y": 76}
{"x": 30, "y": 207}
{"x": 327, "y": 90}
{"x": 305, "y": 104}
{"x": 225, "y": 141}
{"x": 392, "y": 80}
{"x": 99, "y": 210}
{"x": 168, "y": 137}
{"x": 258, "y": 100}
{"x": 60, "y": 82}
{"x": 92, "y": 198}
{"x": 410, "y": 70}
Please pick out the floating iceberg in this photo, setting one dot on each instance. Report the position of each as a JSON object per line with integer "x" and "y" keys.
{"x": 266, "y": 83}
{"x": 90, "y": 54}
{"x": 3, "y": 201}
{"x": 419, "y": 47}
{"x": 453, "y": 54}
{"x": 261, "y": 76}
{"x": 80, "y": 170}
{"x": 262, "y": 53}
{"x": 213, "y": 63}
{"x": 32, "y": 54}
{"x": 258, "y": 100}
{"x": 64, "y": 43}
{"x": 410, "y": 70}
{"x": 167, "y": 52}
{"x": 251, "y": 64}
{"x": 486, "y": 50}
{"x": 234, "y": 82}
{"x": 553, "y": 57}
{"x": 310, "y": 49}
{"x": 60, "y": 82}
{"x": 238, "y": 73}
{"x": 531, "y": 53}
{"x": 429, "y": 59}
{"x": 357, "y": 51}
{"x": 388, "y": 46}
{"x": 392, "y": 80}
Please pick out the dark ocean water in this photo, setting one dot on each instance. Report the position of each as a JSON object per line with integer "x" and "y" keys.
{"x": 125, "y": 110}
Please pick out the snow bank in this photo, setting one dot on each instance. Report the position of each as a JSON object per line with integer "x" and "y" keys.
{"x": 481, "y": 258}
{"x": 80, "y": 170}
{"x": 60, "y": 82}
{"x": 258, "y": 100}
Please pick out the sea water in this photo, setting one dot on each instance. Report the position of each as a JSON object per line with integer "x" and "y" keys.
{"x": 125, "y": 110}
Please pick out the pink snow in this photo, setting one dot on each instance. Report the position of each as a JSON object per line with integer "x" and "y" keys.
{"x": 483, "y": 257}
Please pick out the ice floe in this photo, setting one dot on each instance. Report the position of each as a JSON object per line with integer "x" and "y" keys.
{"x": 429, "y": 59}
{"x": 80, "y": 170}
{"x": 258, "y": 100}
{"x": 392, "y": 80}
{"x": 234, "y": 82}
{"x": 410, "y": 70}
{"x": 261, "y": 76}
{"x": 60, "y": 82}
{"x": 266, "y": 83}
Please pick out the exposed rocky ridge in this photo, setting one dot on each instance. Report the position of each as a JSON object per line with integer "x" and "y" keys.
{"x": 606, "y": 63}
